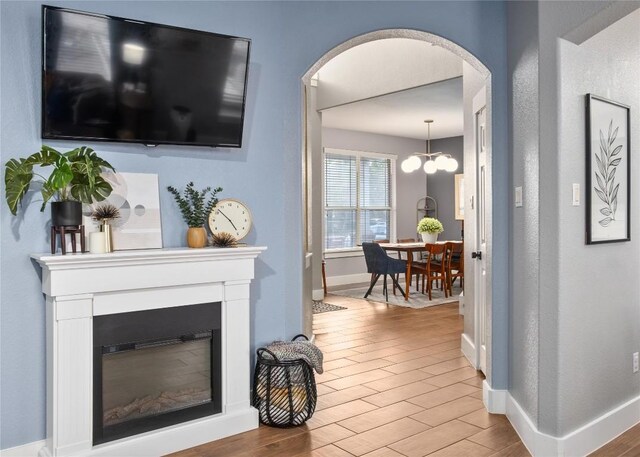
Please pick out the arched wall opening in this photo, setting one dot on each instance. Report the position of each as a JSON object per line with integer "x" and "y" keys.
{"x": 312, "y": 192}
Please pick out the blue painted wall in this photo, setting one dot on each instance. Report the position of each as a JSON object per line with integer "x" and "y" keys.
{"x": 288, "y": 37}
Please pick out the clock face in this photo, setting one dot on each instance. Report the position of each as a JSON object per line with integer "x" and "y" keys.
{"x": 230, "y": 216}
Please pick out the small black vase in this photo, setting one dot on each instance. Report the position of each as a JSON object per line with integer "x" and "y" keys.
{"x": 66, "y": 213}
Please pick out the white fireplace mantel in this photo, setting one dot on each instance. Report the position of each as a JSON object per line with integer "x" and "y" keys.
{"x": 80, "y": 286}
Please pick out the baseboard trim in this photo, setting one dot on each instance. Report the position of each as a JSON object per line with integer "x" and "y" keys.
{"x": 580, "y": 442}
{"x": 344, "y": 280}
{"x": 24, "y": 450}
{"x": 469, "y": 350}
{"x": 317, "y": 294}
{"x": 603, "y": 429}
{"x": 494, "y": 400}
{"x": 536, "y": 442}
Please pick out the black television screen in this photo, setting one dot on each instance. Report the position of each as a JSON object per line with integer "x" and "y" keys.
{"x": 112, "y": 79}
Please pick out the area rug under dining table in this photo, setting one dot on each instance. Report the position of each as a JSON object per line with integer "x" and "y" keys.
{"x": 416, "y": 299}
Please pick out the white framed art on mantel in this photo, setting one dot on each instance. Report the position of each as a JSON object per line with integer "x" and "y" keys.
{"x": 137, "y": 197}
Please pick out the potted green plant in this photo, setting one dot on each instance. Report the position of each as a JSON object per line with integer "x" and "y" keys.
{"x": 429, "y": 227}
{"x": 195, "y": 209}
{"x": 75, "y": 179}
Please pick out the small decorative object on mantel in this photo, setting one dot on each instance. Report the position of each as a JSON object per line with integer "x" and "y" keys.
{"x": 223, "y": 240}
{"x": 608, "y": 171}
{"x": 231, "y": 216}
{"x": 75, "y": 179}
{"x": 104, "y": 214}
{"x": 195, "y": 208}
{"x": 429, "y": 228}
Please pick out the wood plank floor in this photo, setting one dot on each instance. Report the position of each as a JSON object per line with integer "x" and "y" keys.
{"x": 395, "y": 384}
{"x": 626, "y": 445}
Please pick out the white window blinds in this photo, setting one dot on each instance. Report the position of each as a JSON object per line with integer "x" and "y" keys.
{"x": 358, "y": 199}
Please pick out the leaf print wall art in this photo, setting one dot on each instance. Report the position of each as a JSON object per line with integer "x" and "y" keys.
{"x": 608, "y": 171}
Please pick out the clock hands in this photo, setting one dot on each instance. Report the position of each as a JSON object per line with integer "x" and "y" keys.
{"x": 234, "y": 225}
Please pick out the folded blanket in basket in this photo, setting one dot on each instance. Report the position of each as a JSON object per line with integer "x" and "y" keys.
{"x": 282, "y": 400}
{"x": 293, "y": 350}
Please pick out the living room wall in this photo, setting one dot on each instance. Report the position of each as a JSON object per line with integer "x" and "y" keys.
{"x": 288, "y": 37}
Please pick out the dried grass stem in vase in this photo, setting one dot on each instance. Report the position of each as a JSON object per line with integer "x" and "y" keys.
{"x": 223, "y": 240}
{"x": 104, "y": 214}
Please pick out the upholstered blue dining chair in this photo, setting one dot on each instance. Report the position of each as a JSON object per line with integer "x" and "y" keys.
{"x": 379, "y": 263}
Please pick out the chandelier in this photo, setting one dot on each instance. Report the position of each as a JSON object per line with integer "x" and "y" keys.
{"x": 434, "y": 160}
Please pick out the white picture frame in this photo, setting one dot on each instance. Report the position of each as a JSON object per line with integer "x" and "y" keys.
{"x": 608, "y": 189}
{"x": 137, "y": 197}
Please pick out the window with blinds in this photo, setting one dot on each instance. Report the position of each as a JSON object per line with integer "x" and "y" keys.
{"x": 358, "y": 198}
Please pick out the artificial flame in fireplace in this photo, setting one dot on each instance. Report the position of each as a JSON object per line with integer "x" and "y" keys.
{"x": 156, "y": 378}
{"x": 150, "y": 405}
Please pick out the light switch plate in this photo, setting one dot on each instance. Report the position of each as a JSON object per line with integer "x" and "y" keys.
{"x": 518, "y": 197}
{"x": 575, "y": 199}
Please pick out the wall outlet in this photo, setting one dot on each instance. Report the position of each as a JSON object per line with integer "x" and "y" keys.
{"x": 636, "y": 362}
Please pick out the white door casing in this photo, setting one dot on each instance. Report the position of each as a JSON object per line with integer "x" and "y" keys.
{"x": 481, "y": 235}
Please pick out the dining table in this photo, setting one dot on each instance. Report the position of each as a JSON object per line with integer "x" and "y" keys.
{"x": 409, "y": 248}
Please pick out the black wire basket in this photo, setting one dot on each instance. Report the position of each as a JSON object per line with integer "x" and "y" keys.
{"x": 284, "y": 392}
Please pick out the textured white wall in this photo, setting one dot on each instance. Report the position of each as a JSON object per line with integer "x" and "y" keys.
{"x": 599, "y": 307}
{"x": 523, "y": 88}
{"x": 566, "y": 346}
{"x": 555, "y": 403}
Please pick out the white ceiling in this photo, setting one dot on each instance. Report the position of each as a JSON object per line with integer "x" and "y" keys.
{"x": 403, "y": 113}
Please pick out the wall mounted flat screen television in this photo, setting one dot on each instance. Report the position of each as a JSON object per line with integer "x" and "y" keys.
{"x": 113, "y": 79}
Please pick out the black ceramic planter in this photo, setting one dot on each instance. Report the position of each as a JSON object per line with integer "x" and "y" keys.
{"x": 66, "y": 213}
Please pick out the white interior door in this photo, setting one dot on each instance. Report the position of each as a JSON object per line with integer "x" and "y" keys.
{"x": 480, "y": 251}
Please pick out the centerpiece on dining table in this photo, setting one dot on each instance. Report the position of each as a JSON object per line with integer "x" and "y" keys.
{"x": 429, "y": 228}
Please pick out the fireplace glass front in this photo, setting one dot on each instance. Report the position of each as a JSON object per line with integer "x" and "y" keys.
{"x": 155, "y": 377}
{"x": 155, "y": 368}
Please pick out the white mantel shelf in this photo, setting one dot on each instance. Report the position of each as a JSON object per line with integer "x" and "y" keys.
{"x": 144, "y": 256}
{"x": 73, "y": 274}
{"x": 80, "y": 286}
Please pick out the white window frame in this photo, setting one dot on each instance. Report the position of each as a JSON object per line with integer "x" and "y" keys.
{"x": 357, "y": 250}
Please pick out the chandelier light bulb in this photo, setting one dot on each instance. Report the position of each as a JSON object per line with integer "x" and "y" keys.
{"x": 430, "y": 167}
{"x": 415, "y": 162}
{"x": 441, "y": 162}
{"x": 407, "y": 166}
{"x": 452, "y": 165}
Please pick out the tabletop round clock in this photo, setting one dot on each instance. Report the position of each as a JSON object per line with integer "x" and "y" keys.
{"x": 231, "y": 216}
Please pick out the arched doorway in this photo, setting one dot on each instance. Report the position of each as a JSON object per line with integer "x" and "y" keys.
{"x": 476, "y": 341}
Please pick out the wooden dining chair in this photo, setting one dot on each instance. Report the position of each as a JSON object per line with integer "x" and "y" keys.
{"x": 409, "y": 240}
{"x": 434, "y": 267}
{"x": 455, "y": 264}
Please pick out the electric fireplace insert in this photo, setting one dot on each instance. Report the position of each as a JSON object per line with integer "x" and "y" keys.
{"x": 155, "y": 368}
